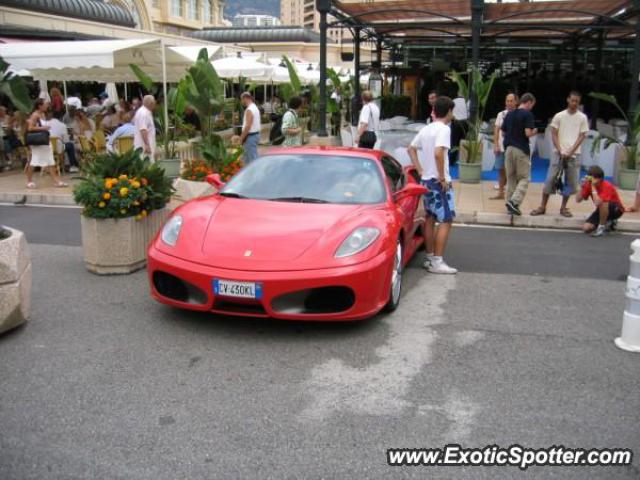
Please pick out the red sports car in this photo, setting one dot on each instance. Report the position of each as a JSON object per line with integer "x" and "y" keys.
{"x": 316, "y": 233}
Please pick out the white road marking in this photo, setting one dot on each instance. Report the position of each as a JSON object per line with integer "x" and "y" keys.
{"x": 380, "y": 388}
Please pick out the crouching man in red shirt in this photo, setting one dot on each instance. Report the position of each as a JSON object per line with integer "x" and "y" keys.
{"x": 606, "y": 199}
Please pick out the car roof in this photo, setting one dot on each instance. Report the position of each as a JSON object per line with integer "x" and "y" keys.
{"x": 328, "y": 150}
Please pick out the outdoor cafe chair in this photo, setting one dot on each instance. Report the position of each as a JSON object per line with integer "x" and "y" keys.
{"x": 99, "y": 141}
{"x": 124, "y": 144}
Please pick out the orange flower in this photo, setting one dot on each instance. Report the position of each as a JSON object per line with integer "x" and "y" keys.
{"x": 122, "y": 177}
{"x": 144, "y": 182}
{"x": 106, "y": 195}
{"x": 135, "y": 203}
{"x": 143, "y": 213}
{"x": 135, "y": 184}
{"x": 124, "y": 191}
{"x": 101, "y": 204}
{"x": 123, "y": 211}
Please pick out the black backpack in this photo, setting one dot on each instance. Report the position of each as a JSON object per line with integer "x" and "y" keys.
{"x": 276, "y": 136}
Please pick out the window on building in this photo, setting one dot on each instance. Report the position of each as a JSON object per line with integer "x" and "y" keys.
{"x": 206, "y": 11}
{"x": 193, "y": 10}
{"x": 176, "y": 8}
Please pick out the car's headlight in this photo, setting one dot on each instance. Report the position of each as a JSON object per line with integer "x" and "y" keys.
{"x": 359, "y": 239}
{"x": 171, "y": 230}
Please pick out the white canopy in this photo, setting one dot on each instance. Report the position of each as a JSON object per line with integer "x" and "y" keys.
{"x": 100, "y": 60}
{"x": 234, "y": 67}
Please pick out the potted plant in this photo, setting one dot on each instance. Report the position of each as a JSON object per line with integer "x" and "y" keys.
{"x": 124, "y": 200}
{"x": 628, "y": 159}
{"x": 191, "y": 183}
{"x": 471, "y": 147}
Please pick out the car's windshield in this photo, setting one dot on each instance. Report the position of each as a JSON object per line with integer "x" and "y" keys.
{"x": 297, "y": 177}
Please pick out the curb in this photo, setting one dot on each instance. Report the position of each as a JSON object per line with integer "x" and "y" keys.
{"x": 35, "y": 198}
{"x": 540, "y": 221}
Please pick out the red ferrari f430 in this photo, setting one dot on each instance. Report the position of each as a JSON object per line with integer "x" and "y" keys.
{"x": 317, "y": 233}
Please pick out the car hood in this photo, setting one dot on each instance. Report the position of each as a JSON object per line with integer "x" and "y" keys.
{"x": 256, "y": 233}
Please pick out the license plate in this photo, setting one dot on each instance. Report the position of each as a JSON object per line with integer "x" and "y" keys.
{"x": 230, "y": 288}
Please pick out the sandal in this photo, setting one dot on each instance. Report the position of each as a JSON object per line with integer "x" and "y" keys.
{"x": 538, "y": 211}
{"x": 61, "y": 185}
{"x": 31, "y": 185}
{"x": 566, "y": 213}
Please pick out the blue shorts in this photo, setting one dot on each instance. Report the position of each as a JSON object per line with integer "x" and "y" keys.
{"x": 437, "y": 203}
{"x": 499, "y": 165}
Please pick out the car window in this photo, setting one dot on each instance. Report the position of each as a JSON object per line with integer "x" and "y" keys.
{"x": 306, "y": 177}
{"x": 394, "y": 173}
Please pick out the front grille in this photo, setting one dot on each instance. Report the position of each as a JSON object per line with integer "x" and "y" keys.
{"x": 177, "y": 289}
{"x": 315, "y": 301}
{"x": 239, "y": 308}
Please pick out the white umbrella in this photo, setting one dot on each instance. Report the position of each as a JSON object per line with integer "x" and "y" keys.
{"x": 234, "y": 67}
{"x": 112, "y": 93}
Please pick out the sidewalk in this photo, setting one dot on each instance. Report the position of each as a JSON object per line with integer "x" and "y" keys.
{"x": 473, "y": 205}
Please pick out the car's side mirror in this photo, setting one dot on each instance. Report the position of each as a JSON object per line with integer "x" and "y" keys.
{"x": 410, "y": 190}
{"x": 215, "y": 181}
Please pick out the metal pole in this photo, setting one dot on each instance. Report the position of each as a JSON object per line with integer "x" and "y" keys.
{"x": 164, "y": 91}
{"x": 356, "y": 60}
{"x": 66, "y": 105}
{"x": 379, "y": 54}
{"x": 477, "y": 7}
{"x": 635, "y": 70}
{"x": 596, "y": 81}
{"x": 322, "y": 107}
{"x": 126, "y": 94}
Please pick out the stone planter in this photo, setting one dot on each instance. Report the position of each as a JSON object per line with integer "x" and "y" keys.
{"x": 187, "y": 190}
{"x": 117, "y": 246}
{"x": 15, "y": 279}
{"x": 171, "y": 166}
{"x": 627, "y": 178}
{"x": 225, "y": 134}
{"x": 469, "y": 172}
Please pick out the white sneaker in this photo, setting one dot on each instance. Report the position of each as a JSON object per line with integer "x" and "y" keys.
{"x": 73, "y": 169}
{"x": 600, "y": 231}
{"x": 427, "y": 263}
{"x": 441, "y": 267}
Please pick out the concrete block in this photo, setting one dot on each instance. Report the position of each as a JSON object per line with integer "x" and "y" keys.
{"x": 547, "y": 221}
{"x": 119, "y": 246}
{"x": 15, "y": 281}
{"x": 187, "y": 190}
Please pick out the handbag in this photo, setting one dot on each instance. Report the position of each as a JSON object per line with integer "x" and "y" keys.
{"x": 37, "y": 137}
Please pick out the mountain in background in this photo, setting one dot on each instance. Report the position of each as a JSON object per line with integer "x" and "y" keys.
{"x": 246, "y": 7}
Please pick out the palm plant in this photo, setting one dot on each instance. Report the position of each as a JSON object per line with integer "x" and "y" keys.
{"x": 630, "y": 146}
{"x": 14, "y": 87}
{"x": 481, "y": 89}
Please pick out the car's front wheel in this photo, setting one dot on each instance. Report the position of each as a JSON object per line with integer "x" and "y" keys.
{"x": 395, "y": 287}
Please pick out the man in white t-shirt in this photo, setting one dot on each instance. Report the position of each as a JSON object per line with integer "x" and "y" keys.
{"x": 250, "y": 135}
{"x": 510, "y": 103}
{"x": 569, "y": 128}
{"x": 368, "y": 122}
{"x": 434, "y": 142}
{"x": 145, "y": 129}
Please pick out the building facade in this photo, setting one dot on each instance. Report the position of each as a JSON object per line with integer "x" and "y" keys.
{"x": 255, "y": 21}
{"x": 71, "y": 19}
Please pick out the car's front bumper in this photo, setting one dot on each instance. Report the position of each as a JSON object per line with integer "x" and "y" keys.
{"x": 369, "y": 281}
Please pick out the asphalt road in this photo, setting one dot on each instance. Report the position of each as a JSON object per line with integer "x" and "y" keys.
{"x": 518, "y": 348}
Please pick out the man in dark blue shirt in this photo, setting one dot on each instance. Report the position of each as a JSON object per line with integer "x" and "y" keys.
{"x": 518, "y": 127}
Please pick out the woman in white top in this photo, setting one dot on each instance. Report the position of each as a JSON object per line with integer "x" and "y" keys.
{"x": 368, "y": 122}
{"x": 41, "y": 155}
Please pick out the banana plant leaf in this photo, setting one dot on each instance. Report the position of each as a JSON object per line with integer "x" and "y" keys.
{"x": 14, "y": 87}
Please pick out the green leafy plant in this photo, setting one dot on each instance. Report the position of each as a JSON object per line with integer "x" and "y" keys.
{"x": 631, "y": 144}
{"x": 215, "y": 153}
{"x": 204, "y": 91}
{"x": 481, "y": 89}
{"x": 14, "y": 87}
{"x": 122, "y": 185}
{"x": 294, "y": 87}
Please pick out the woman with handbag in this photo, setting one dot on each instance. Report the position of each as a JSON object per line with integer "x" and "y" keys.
{"x": 37, "y": 139}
